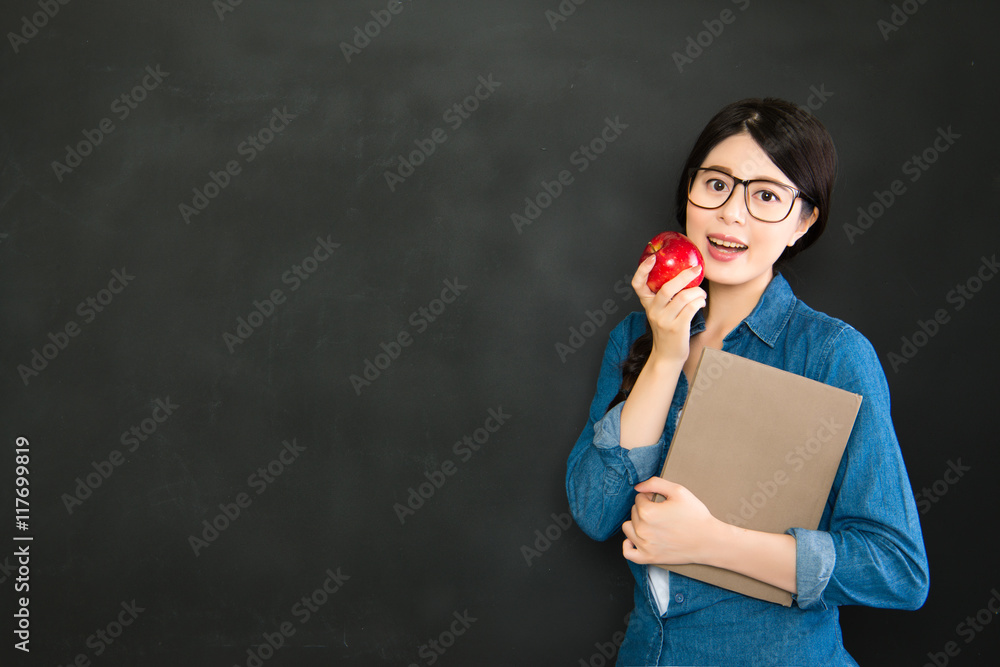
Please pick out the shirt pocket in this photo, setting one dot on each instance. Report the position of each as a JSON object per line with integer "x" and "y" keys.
{"x": 613, "y": 481}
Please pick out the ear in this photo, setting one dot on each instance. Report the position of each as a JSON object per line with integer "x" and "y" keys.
{"x": 804, "y": 224}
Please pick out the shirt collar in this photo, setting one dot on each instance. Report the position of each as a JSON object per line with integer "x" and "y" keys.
{"x": 768, "y": 317}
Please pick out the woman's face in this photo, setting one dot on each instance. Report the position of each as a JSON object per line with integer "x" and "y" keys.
{"x": 763, "y": 242}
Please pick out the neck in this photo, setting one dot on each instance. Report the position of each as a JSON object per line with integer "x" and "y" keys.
{"x": 728, "y": 305}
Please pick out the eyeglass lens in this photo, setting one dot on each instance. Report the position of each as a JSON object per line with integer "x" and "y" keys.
{"x": 766, "y": 200}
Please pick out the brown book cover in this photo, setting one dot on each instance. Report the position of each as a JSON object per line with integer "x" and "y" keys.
{"x": 760, "y": 446}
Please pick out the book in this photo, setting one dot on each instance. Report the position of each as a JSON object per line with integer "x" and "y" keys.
{"x": 760, "y": 446}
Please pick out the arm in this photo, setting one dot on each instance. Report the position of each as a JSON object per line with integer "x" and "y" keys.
{"x": 870, "y": 550}
{"x": 669, "y": 312}
{"x": 600, "y": 473}
{"x": 624, "y": 445}
{"x": 680, "y": 530}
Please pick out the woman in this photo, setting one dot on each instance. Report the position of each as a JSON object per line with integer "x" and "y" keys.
{"x": 755, "y": 190}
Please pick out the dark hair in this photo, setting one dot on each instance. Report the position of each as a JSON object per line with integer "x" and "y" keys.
{"x": 796, "y": 142}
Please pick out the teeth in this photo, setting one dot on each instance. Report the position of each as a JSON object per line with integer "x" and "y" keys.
{"x": 727, "y": 244}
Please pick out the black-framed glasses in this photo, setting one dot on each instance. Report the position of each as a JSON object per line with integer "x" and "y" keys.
{"x": 766, "y": 200}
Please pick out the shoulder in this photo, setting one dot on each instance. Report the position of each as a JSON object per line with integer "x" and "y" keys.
{"x": 839, "y": 354}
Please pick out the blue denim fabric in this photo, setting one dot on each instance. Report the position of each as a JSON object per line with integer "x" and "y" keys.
{"x": 868, "y": 550}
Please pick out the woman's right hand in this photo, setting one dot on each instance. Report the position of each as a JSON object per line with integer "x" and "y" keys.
{"x": 669, "y": 311}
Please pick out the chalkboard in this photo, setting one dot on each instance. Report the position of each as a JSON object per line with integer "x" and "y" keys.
{"x": 304, "y": 303}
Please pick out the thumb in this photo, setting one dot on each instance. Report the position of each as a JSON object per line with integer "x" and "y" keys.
{"x": 659, "y": 485}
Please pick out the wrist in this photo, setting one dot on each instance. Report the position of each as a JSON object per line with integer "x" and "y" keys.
{"x": 720, "y": 544}
{"x": 661, "y": 366}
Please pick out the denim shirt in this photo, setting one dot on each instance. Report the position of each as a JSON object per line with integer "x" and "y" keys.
{"x": 868, "y": 549}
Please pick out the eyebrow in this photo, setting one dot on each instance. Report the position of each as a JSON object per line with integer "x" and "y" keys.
{"x": 728, "y": 172}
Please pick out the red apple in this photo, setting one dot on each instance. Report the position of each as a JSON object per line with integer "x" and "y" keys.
{"x": 674, "y": 252}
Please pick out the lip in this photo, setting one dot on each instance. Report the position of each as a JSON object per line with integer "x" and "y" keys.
{"x": 729, "y": 239}
{"x": 722, "y": 256}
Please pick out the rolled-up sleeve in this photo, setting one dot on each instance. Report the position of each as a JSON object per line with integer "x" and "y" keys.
{"x": 600, "y": 473}
{"x": 869, "y": 549}
{"x": 639, "y": 463}
{"x": 815, "y": 557}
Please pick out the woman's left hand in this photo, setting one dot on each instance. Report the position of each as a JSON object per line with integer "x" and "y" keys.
{"x": 675, "y": 531}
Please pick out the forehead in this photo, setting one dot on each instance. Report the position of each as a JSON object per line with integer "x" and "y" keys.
{"x": 743, "y": 157}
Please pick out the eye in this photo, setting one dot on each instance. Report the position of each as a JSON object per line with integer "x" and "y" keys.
{"x": 717, "y": 185}
{"x": 769, "y": 195}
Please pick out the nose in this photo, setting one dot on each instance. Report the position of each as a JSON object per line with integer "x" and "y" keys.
{"x": 735, "y": 208}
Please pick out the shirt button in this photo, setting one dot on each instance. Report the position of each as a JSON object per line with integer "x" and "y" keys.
{"x": 679, "y": 597}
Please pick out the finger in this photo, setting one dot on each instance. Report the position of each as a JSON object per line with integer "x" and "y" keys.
{"x": 640, "y": 511}
{"x": 628, "y": 549}
{"x": 634, "y": 554}
{"x": 687, "y": 312}
{"x": 680, "y": 281}
{"x": 674, "y": 296}
{"x": 641, "y": 275}
{"x": 684, "y": 306}
{"x": 629, "y": 529}
{"x": 642, "y": 500}
{"x": 646, "y": 265}
{"x": 666, "y": 314}
{"x": 659, "y": 485}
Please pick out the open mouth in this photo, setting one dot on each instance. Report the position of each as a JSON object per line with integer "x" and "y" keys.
{"x": 726, "y": 246}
